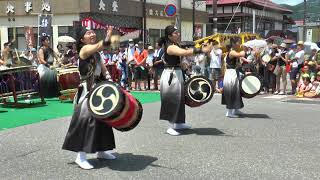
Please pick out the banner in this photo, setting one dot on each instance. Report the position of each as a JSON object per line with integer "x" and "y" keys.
{"x": 45, "y": 25}
{"x": 28, "y": 33}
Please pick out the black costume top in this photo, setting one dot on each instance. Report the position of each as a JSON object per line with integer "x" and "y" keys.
{"x": 231, "y": 62}
{"x": 48, "y": 55}
{"x": 171, "y": 60}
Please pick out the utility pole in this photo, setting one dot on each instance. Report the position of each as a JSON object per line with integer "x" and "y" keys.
{"x": 304, "y": 20}
{"x": 214, "y": 17}
{"x": 193, "y": 19}
{"x": 178, "y": 18}
{"x": 254, "y": 21}
{"x": 144, "y": 36}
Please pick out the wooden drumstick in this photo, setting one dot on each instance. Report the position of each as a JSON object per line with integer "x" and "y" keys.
{"x": 18, "y": 57}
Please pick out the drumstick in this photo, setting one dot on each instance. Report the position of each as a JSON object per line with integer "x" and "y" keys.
{"x": 15, "y": 49}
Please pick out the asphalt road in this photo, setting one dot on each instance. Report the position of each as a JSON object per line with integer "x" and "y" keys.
{"x": 273, "y": 140}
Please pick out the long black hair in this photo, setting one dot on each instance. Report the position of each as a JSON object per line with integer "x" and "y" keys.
{"x": 80, "y": 32}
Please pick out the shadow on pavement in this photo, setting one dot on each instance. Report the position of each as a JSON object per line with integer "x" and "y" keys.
{"x": 258, "y": 116}
{"x": 203, "y": 132}
{"x": 125, "y": 162}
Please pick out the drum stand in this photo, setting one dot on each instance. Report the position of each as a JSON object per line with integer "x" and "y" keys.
{"x": 15, "y": 95}
{"x": 67, "y": 94}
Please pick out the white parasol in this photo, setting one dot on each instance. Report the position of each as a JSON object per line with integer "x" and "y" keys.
{"x": 66, "y": 39}
{"x": 256, "y": 44}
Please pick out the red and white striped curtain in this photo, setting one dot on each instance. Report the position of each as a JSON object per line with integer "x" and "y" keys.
{"x": 93, "y": 24}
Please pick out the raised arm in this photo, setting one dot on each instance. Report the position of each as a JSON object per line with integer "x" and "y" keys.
{"x": 89, "y": 49}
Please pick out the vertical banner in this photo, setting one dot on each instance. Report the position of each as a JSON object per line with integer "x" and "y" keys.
{"x": 45, "y": 25}
{"x": 28, "y": 33}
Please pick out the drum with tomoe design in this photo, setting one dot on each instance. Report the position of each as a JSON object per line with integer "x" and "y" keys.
{"x": 198, "y": 91}
{"x": 250, "y": 86}
{"x": 116, "y": 107}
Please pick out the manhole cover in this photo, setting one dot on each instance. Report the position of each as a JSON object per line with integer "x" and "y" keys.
{"x": 301, "y": 101}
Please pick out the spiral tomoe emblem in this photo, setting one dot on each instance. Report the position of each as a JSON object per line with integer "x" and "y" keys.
{"x": 104, "y": 99}
{"x": 200, "y": 90}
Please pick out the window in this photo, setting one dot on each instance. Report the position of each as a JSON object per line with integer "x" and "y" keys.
{"x": 20, "y": 42}
{"x": 228, "y": 9}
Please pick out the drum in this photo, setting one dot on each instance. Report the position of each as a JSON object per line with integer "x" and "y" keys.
{"x": 116, "y": 107}
{"x": 21, "y": 80}
{"x": 69, "y": 80}
{"x": 250, "y": 86}
{"x": 198, "y": 91}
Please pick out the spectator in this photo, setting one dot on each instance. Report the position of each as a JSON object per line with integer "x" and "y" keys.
{"x": 112, "y": 66}
{"x": 130, "y": 61}
{"x": 122, "y": 64}
{"x": 215, "y": 63}
{"x": 149, "y": 64}
{"x": 158, "y": 64}
{"x": 31, "y": 55}
{"x": 297, "y": 63}
{"x": 269, "y": 75}
{"x": 281, "y": 75}
{"x": 304, "y": 87}
{"x": 140, "y": 71}
{"x": 315, "y": 90}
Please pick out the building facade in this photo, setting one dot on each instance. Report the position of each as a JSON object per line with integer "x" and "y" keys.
{"x": 157, "y": 19}
{"x": 239, "y": 15}
{"x": 124, "y": 14}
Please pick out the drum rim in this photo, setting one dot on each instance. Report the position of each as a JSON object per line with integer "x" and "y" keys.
{"x": 132, "y": 111}
{"x": 243, "y": 94}
{"x": 192, "y": 99}
{"x": 117, "y": 108}
{"x": 137, "y": 121}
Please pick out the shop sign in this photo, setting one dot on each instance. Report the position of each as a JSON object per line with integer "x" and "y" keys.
{"x": 156, "y": 12}
{"x": 10, "y": 8}
{"x": 46, "y": 6}
{"x": 114, "y": 5}
{"x": 28, "y": 6}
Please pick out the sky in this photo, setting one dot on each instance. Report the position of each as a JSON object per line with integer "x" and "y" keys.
{"x": 290, "y": 2}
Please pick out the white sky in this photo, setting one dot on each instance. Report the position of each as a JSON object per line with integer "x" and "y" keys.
{"x": 290, "y": 2}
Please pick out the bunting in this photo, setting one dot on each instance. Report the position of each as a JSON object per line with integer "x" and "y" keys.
{"x": 93, "y": 24}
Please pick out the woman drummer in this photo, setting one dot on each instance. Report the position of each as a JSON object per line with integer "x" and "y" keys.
{"x": 172, "y": 81}
{"x": 231, "y": 96}
{"x": 86, "y": 134}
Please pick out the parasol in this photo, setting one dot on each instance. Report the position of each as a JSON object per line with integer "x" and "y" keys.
{"x": 66, "y": 39}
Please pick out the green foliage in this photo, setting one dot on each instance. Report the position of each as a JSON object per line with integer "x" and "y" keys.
{"x": 298, "y": 10}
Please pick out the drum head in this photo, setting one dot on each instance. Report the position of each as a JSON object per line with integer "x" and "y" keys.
{"x": 105, "y": 100}
{"x": 199, "y": 90}
{"x": 250, "y": 86}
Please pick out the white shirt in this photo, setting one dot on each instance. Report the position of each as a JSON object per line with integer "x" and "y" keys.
{"x": 130, "y": 54}
{"x": 300, "y": 56}
{"x": 215, "y": 58}
{"x": 199, "y": 60}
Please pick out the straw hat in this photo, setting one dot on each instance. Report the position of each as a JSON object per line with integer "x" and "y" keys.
{"x": 150, "y": 48}
{"x": 300, "y": 43}
{"x": 311, "y": 63}
{"x": 305, "y": 76}
{"x": 318, "y": 74}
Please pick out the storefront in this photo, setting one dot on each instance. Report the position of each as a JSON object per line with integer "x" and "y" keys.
{"x": 16, "y": 15}
{"x": 157, "y": 21}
